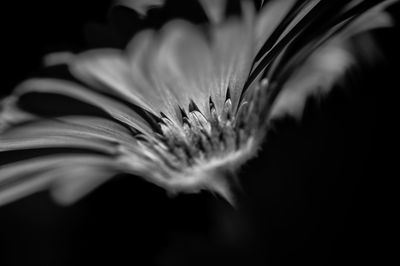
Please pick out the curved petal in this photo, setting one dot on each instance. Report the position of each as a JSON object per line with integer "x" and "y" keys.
{"x": 95, "y": 134}
{"x": 318, "y": 74}
{"x": 109, "y": 70}
{"x": 117, "y": 110}
{"x": 327, "y": 64}
{"x": 11, "y": 114}
{"x": 181, "y": 66}
{"x": 26, "y": 177}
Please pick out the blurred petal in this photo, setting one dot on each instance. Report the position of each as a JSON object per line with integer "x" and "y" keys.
{"x": 57, "y": 58}
{"x": 233, "y": 52}
{"x": 139, "y": 52}
{"x": 29, "y": 176}
{"x": 75, "y": 182}
{"x": 318, "y": 74}
{"x": 373, "y": 18}
{"x": 215, "y": 9}
{"x": 140, "y": 6}
{"x": 109, "y": 71}
{"x": 181, "y": 66}
{"x": 327, "y": 64}
{"x": 11, "y": 114}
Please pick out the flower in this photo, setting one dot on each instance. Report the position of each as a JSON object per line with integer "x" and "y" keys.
{"x": 187, "y": 105}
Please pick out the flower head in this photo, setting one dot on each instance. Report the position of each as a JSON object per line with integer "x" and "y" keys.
{"x": 186, "y": 106}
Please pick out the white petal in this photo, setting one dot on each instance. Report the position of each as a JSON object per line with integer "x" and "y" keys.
{"x": 116, "y": 109}
{"x": 140, "y": 6}
{"x": 232, "y": 50}
{"x": 11, "y": 114}
{"x": 317, "y": 75}
{"x": 58, "y": 58}
{"x": 26, "y": 177}
{"x": 109, "y": 70}
{"x": 102, "y": 126}
{"x": 374, "y": 18}
{"x": 276, "y": 11}
{"x": 138, "y": 55}
{"x": 301, "y": 13}
{"x": 76, "y": 181}
{"x": 215, "y": 9}
{"x": 45, "y": 134}
{"x": 328, "y": 63}
{"x": 181, "y": 67}
{"x": 269, "y": 18}
{"x": 187, "y": 66}
{"x": 54, "y": 142}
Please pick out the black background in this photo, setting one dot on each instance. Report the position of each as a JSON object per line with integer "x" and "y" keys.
{"x": 317, "y": 193}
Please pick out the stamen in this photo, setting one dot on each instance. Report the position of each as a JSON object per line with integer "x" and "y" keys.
{"x": 193, "y": 106}
{"x": 200, "y": 140}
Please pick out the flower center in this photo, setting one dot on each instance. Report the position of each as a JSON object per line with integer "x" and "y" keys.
{"x": 220, "y": 138}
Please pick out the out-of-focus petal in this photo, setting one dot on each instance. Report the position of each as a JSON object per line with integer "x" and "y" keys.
{"x": 182, "y": 66}
{"x": 327, "y": 64}
{"x": 215, "y": 9}
{"x": 11, "y": 114}
{"x": 139, "y": 51}
{"x": 140, "y": 6}
{"x": 26, "y": 177}
{"x": 233, "y": 52}
{"x": 75, "y": 182}
{"x": 186, "y": 66}
{"x": 58, "y": 58}
{"x": 374, "y": 18}
{"x": 109, "y": 70}
{"x": 317, "y": 75}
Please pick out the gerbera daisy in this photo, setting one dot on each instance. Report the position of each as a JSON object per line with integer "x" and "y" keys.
{"x": 187, "y": 105}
